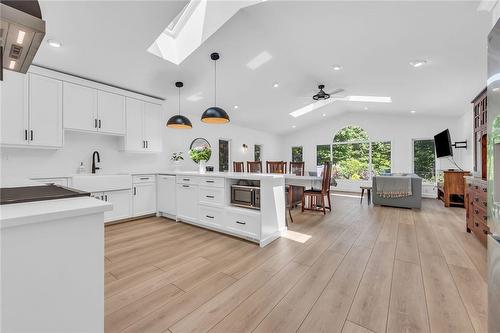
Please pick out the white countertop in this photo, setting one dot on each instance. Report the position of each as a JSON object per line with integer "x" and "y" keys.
{"x": 13, "y": 215}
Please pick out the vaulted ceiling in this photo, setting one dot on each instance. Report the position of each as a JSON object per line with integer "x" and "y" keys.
{"x": 373, "y": 41}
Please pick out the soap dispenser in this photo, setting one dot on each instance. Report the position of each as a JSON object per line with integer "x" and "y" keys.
{"x": 81, "y": 168}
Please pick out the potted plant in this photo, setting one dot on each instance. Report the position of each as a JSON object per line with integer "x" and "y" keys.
{"x": 177, "y": 159}
{"x": 200, "y": 155}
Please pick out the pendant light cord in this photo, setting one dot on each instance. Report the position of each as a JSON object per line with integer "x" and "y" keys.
{"x": 179, "y": 101}
{"x": 215, "y": 83}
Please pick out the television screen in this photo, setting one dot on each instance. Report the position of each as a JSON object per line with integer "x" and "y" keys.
{"x": 442, "y": 142}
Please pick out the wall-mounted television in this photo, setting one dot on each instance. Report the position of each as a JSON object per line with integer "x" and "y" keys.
{"x": 442, "y": 142}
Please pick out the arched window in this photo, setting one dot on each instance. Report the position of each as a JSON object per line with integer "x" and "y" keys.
{"x": 354, "y": 156}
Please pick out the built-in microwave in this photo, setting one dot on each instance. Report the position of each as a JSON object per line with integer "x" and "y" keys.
{"x": 245, "y": 196}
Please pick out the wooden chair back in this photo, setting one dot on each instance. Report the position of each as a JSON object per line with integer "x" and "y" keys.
{"x": 275, "y": 167}
{"x": 238, "y": 167}
{"x": 327, "y": 178}
{"x": 254, "y": 167}
{"x": 297, "y": 168}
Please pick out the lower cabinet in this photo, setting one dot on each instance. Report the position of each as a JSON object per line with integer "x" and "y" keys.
{"x": 187, "y": 202}
{"x": 246, "y": 224}
{"x": 144, "y": 198}
{"x": 211, "y": 216}
{"x": 121, "y": 201}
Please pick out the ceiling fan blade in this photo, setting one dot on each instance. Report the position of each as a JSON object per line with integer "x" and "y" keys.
{"x": 336, "y": 91}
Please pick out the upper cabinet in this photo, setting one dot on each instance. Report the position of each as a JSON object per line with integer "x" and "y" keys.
{"x": 33, "y": 104}
{"x": 92, "y": 110}
{"x": 144, "y": 126}
{"x": 31, "y": 111}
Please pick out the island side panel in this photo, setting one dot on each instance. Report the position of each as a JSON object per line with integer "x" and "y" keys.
{"x": 273, "y": 209}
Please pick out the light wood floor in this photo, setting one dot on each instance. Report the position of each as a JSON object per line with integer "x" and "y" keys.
{"x": 357, "y": 269}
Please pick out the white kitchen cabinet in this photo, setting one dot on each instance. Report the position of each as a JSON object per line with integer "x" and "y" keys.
{"x": 80, "y": 107}
{"x": 122, "y": 204}
{"x": 45, "y": 111}
{"x": 14, "y": 108}
{"x": 144, "y": 198}
{"x": 166, "y": 197}
{"x": 144, "y": 126}
{"x": 111, "y": 113}
{"x": 152, "y": 127}
{"x": 187, "y": 202}
{"x": 31, "y": 111}
{"x": 92, "y": 110}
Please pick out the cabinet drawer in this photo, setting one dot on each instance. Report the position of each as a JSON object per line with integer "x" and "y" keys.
{"x": 211, "y": 195}
{"x": 481, "y": 230}
{"x": 243, "y": 224}
{"x": 478, "y": 199}
{"x": 212, "y": 181}
{"x": 187, "y": 180}
{"x": 211, "y": 216}
{"x": 479, "y": 213}
{"x": 143, "y": 179}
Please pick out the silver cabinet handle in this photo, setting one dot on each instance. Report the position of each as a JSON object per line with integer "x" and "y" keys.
{"x": 210, "y": 196}
{"x": 239, "y": 222}
{"x": 144, "y": 178}
{"x": 210, "y": 181}
{"x": 99, "y": 123}
{"x": 135, "y": 190}
{"x": 95, "y": 122}
{"x": 186, "y": 179}
{"x": 26, "y": 134}
{"x": 210, "y": 217}
{"x": 31, "y": 135}
{"x": 185, "y": 186}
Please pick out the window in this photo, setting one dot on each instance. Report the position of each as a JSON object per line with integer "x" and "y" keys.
{"x": 354, "y": 156}
{"x": 257, "y": 152}
{"x": 297, "y": 154}
{"x": 424, "y": 159}
{"x": 223, "y": 155}
{"x": 381, "y": 158}
{"x": 323, "y": 154}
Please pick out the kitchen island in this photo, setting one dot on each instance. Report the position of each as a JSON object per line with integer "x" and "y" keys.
{"x": 205, "y": 200}
{"x": 52, "y": 268}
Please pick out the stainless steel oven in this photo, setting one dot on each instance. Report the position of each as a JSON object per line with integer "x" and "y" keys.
{"x": 245, "y": 196}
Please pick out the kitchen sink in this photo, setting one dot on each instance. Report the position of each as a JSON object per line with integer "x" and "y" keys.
{"x": 100, "y": 183}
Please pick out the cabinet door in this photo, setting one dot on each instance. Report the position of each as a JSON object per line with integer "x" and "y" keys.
{"x": 166, "y": 195}
{"x": 111, "y": 113}
{"x": 144, "y": 199}
{"x": 14, "y": 108}
{"x": 122, "y": 205}
{"x": 152, "y": 127}
{"x": 45, "y": 111}
{"x": 187, "y": 202}
{"x": 134, "y": 140}
{"x": 80, "y": 107}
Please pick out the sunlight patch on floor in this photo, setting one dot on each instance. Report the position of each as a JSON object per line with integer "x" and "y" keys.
{"x": 296, "y": 236}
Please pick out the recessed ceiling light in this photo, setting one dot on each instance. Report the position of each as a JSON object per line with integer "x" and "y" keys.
{"x": 413, "y": 111}
{"x": 418, "y": 63}
{"x": 366, "y": 108}
{"x": 294, "y": 126}
{"x": 20, "y": 37}
{"x": 12, "y": 64}
{"x": 276, "y": 85}
{"x": 324, "y": 114}
{"x": 54, "y": 43}
{"x": 337, "y": 67}
{"x": 236, "y": 106}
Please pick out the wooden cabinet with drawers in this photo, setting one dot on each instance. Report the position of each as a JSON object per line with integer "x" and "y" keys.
{"x": 476, "y": 208}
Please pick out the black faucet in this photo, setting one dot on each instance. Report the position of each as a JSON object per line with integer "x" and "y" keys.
{"x": 94, "y": 154}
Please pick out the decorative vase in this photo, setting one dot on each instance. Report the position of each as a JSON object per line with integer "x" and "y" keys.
{"x": 202, "y": 165}
{"x": 177, "y": 165}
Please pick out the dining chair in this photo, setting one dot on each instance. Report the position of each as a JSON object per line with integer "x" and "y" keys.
{"x": 275, "y": 167}
{"x": 254, "y": 167}
{"x": 311, "y": 197}
{"x": 296, "y": 168}
{"x": 238, "y": 167}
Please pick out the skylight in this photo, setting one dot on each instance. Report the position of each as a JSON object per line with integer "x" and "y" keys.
{"x": 195, "y": 23}
{"x": 259, "y": 60}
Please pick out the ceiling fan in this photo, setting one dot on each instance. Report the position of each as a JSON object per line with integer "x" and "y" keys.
{"x": 322, "y": 95}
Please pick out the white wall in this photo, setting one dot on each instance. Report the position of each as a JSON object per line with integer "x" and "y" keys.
{"x": 78, "y": 147}
{"x": 400, "y": 130}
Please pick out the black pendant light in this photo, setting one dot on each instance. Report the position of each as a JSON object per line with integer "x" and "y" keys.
{"x": 179, "y": 121}
{"x": 214, "y": 114}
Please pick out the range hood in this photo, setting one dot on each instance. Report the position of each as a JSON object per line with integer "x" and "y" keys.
{"x": 21, "y": 30}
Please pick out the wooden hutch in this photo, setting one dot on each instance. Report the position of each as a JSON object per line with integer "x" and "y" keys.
{"x": 476, "y": 185}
